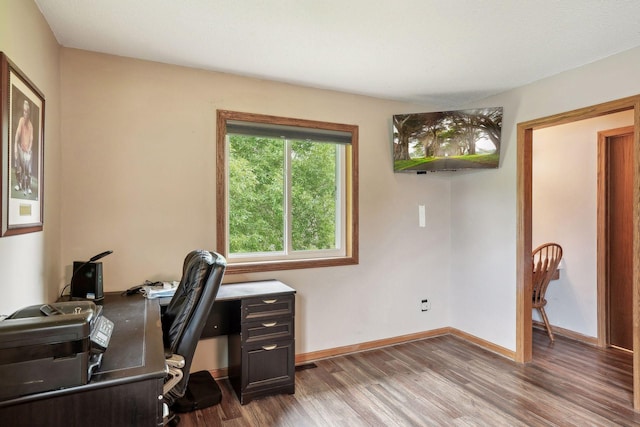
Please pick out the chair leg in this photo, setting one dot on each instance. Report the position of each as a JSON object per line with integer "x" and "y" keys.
{"x": 546, "y": 323}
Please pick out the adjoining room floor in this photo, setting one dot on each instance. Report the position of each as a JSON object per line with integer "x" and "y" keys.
{"x": 446, "y": 381}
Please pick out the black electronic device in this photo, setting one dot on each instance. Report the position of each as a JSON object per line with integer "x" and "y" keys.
{"x": 101, "y": 335}
{"x": 51, "y": 346}
{"x": 86, "y": 281}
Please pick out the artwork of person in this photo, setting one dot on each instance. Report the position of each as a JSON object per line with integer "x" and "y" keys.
{"x": 22, "y": 150}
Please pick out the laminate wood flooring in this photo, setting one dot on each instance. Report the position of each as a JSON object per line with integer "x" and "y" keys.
{"x": 446, "y": 381}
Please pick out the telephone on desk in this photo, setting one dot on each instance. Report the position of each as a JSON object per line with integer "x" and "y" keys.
{"x": 50, "y": 346}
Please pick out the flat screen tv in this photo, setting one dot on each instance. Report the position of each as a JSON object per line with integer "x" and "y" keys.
{"x": 447, "y": 140}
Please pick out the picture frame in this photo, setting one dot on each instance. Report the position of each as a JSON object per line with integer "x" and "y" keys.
{"x": 22, "y": 113}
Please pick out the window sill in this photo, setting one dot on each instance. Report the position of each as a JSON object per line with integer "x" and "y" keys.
{"x": 257, "y": 267}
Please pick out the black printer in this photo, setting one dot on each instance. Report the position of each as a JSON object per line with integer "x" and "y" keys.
{"x": 51, "y": 346}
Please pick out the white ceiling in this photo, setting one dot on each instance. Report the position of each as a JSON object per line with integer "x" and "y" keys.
{"x": 446, "y": 52}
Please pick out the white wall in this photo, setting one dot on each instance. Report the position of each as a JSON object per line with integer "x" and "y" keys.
{"x": 483, "y": 285}
{"x": 30, "y": 263}
{"x": 564, "y": 210}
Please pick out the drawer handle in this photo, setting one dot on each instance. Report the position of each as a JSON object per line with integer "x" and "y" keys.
{"x": 269, "y": 347}
{"x": 269, "y": 301}
{"x": 269, "y": 325}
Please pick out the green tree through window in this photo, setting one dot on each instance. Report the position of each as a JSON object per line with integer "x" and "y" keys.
{"x": 314, "y": 168}
{"x": 256, "y": 194}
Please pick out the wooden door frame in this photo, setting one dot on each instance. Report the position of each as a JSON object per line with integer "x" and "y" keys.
{"x": 603, "y": 231}
{"x": 524, "y": 167}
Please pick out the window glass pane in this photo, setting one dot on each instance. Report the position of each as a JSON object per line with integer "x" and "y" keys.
{"x": 313, "y": 195}
{"x": 256, "y": 194}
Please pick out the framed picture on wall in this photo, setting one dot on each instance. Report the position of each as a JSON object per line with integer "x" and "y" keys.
{"x": 22, "y": 155}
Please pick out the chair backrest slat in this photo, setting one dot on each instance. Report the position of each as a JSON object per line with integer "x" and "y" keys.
{"x": 545, "y": 260}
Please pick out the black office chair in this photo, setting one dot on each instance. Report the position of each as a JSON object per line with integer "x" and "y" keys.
{"x": 185, "y": 317}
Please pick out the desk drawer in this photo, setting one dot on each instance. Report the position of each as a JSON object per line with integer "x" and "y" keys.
{"x": 267, "y": 366}
{"x": 268, "y": 330}
{"x": 222, "y": 320}
{"x": 260, "y": 308}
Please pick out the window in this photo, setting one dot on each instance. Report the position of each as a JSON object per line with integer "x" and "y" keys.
{"x": 287, "y": 192}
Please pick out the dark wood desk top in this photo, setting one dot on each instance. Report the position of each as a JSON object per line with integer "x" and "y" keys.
{"x": 136, "y": 350}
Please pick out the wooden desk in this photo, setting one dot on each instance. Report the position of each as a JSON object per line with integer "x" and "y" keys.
{"x": 125, "y": 391}
{"x": 258, "y": 318}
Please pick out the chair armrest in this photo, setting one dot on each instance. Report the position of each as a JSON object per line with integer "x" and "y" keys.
{"x": 173, "y": 369}
{"x": 175, "y": 361}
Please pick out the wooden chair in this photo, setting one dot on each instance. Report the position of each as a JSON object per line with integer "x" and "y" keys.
{"x": 545, "y": 259}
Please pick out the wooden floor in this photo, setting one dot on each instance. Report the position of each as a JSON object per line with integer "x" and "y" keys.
{"x": 446, "y": 381}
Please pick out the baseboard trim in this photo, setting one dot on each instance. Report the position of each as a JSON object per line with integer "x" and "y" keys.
{"x": 567, "y": 333}
{"x": 487, "y": 345}
{"x": 219, "y": 373}
{"x": 370, "y": 345}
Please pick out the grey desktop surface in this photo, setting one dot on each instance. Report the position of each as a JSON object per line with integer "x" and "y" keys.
{"x": 232, "y": 291}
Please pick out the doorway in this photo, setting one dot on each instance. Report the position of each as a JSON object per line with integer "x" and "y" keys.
{"x": 615, "y": 226}
{"x": 524, "y": 225}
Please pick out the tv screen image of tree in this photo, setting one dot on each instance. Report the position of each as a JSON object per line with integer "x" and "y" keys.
{"x": 447, "y": 140}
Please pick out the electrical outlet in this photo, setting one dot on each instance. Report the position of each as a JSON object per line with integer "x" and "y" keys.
{"x": 425, "y": 305}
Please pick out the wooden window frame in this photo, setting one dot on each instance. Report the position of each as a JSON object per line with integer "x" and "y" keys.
{"x": 350, "y": 188}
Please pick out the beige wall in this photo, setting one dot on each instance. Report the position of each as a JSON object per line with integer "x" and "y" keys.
{"x": 30, "y": 270}
{"x": 129, "y": 157}
{"x": 139, "y": 178}
{"x": 483, "y": 206}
